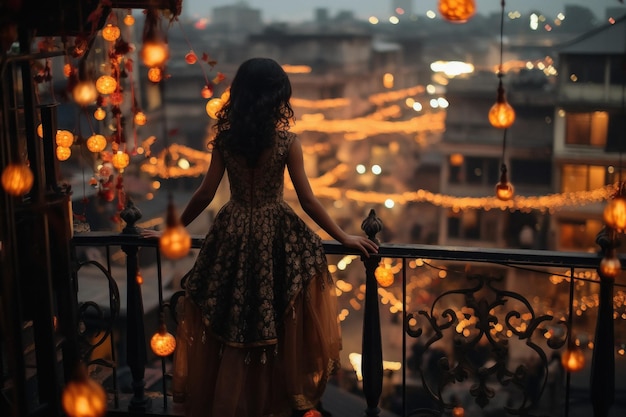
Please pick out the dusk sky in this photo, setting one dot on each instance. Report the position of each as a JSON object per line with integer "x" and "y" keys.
{"x": 273, "y": 10}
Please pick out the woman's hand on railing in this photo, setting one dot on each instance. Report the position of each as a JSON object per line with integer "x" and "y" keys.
{"x": 150, "y": 233}
{"x": 360, "y": 243}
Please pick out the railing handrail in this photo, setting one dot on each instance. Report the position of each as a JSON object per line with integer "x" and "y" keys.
{"x": 507, "y": 256}
{"x": 602, "y": 377}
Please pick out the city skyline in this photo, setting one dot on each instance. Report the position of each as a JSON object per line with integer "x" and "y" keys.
{"x": 280, "y": 10}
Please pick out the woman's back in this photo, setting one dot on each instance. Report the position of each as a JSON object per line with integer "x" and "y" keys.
{"x": 262, "y": 184}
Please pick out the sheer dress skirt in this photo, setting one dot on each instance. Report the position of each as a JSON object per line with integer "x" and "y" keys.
{"x": 216, "y": 379}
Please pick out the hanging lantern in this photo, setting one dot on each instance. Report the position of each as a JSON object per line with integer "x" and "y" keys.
{"x": 213, "y": 106}
{"x": 63, "y": 153}
{"x": 67, "y": 70}
{"x": 129, "y": 20}
{"x": 614, "y": 214}
{"x": 120, "y": 160}
{"x": 84, "y": 93}
{"x": 99, "y": 114}
{"x": 17, "y": 179}
{"x": 504, "y": 189}
{"x": 191, "y": 58}
{"x": 96, "y": 143}
{"x": 154, "y": 54}
{"x": 154, "y": 51}
{"x": 64, "y": 138}
{"x": 610, "y": 266}
{"x": 384, "y": 275}
{"x": 456, "y": 159}
{"x": 106, "y": 84}
{"x": 155, "y": 75}
{"x": 40, "y": 130}
{"x": 458, "y": 411}
{"x": 501, "y": 114}
{"x": 175, "y": 241}
{"x": 457, "y": 11}
{"x": 573, "y": 359}
{"x": 140, "y": 118}
{"x": 162, "y": 342}
{"x": 110, "y": 32}
{"x": 225, "y": 95}
{"x": 84, "y": 397}
{"x": 207, "y": 92}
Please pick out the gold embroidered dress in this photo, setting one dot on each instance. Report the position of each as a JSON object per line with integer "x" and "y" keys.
{"x": 259, "y": 334}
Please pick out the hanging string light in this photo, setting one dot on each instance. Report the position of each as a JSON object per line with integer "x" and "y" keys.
{"x": 504, "y": 189}
{"x": 162, "y": 343}
{"x": 154, "y": 50}
{"x": 175, "y": 242}
{"x": 501, "y": 114}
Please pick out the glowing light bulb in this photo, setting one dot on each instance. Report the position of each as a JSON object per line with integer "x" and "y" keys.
{"x": 457, "y": 11}
{"x": 106, "y": 84}
{"x": 84, "y": 93}
{"x": 96, "y": 143}
{"x": 17, "y": 179}
{"x": 110, "y": 32}
{"x": 501, "y": 114}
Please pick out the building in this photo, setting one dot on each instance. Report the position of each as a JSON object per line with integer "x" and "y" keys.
{"x": 589, "y": 128}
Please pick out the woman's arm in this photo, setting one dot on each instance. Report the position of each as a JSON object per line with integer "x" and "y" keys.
{"x": 312, "y": 206}
{"x": 205, "y": 193}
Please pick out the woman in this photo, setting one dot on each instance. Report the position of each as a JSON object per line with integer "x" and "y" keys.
{"x": 259, "y": 334}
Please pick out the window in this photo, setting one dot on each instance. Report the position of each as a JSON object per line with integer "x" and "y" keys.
{"x": 617, "y": 74}
{"x": 579, "y": 234}
{"x": 586, "y": 128}
{"x": 473, "y": 225}
{"x": 476, "y": 171}
{"x": 582, "y": 177}
{"x": 531, "y": 172}
{"x": 585, "y": 69}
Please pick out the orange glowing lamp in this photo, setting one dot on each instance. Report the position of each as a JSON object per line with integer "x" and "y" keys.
{"x": 155, "y": 74}
{"x": 384, "y": 276}
{"x": 457, "y": 11}
{"x": 175, "y": 242}
{"x": 501, "y": 114}
{"x": 96, "y": 143}
{"x": 106, "y": 84}
{"x": 63, "y": 153}
{"x": 110, "y": 32}
{"x": 67, "y": 70}
{"x": 140, "y": 118}
{"x": 84, "y": 397}
{"x": 213, "y": 106}
{"x": 84, "y": 93}
{"x": 162, "y": 342}
{"x": 129, "y": 20}
{"x": 191, "y": 58}
{"x": 614, "y": 214}
{"x": 99, "y": 114}
{"x": 120, "y": 160}
{"x": 207, "y": 92}
{"x": 154, "y": 53}
{"x": 610, "y": 265}
{"x": 64, "y": 138}
{"x": 504, "y": 189}
{"x": 17, "y": 179}
{"x": 573, "y": 359}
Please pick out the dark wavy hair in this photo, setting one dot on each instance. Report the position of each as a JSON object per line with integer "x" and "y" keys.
{"x": 258, "y": 107}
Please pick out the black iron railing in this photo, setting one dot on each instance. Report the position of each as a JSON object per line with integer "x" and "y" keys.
{"x": 483, "y": 306}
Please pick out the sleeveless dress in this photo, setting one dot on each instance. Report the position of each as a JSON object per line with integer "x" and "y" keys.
{"x": 258, "y": 333}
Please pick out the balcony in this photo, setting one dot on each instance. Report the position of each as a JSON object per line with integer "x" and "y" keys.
{"x": 490, "y": 320}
